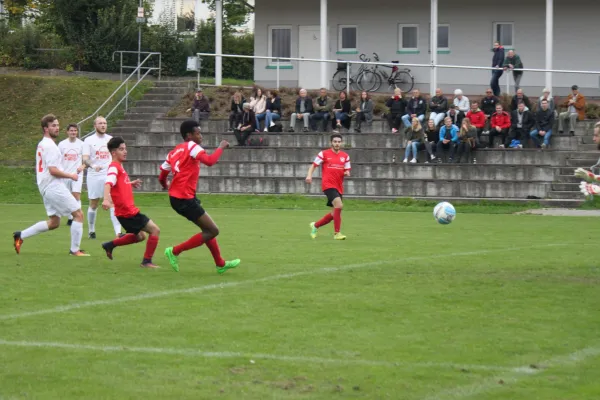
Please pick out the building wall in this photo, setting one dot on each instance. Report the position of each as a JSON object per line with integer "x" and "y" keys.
{"x": 471, "y": 24}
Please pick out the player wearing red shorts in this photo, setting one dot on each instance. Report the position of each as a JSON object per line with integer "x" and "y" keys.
{"x": 118, "y": 194}
{"x": 184, "y": 163}
{"x": 335, "y": 165}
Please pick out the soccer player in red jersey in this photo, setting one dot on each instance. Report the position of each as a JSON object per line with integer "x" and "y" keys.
{"x": 118, "y": 194}
{"x": 335, "y": 165}
{"x": 184, "y": 163}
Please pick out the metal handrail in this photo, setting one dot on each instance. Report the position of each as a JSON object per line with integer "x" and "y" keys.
{"x": 127, "y": 91}
{"x": 121, "y": 66}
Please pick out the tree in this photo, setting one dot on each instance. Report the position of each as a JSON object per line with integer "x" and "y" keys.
{"x": 235, "y": 12}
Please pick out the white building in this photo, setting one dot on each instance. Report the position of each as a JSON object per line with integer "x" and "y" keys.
{"x": 547, "y": 34}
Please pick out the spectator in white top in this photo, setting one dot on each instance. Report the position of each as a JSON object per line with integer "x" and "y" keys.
{"x": 258, "y": 102}
{"x": 461, "y": 102}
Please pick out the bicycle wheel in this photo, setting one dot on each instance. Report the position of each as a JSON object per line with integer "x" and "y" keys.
{"x": 404, "y": 80}
{"x": 380, "y": 80}
{"x": 367, "y": 81}
{"x": 339, "y": 80}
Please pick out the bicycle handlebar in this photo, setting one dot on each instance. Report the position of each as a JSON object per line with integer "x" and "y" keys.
{"x": 376, "y": 56}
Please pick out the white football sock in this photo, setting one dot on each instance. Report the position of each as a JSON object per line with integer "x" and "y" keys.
{"x": 76, "y": 234}
{"x": 36, "y": 229}
{"x": 71, "y": 215}
{"x": 115, "y": 222}
{"x": 92, "y": 219}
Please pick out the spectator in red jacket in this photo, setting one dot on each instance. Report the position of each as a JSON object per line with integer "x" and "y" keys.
{"x": 477, "y": 118}
{"x": 500, "y": 125}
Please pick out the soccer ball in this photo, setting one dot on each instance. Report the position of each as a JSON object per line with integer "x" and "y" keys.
{"x": 444, "y": 213}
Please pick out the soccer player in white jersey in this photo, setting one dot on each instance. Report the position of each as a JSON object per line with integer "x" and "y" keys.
{"x": 72, "y": 151}
{"x": 57, "y": 198}
{"x": 97, "y": 159}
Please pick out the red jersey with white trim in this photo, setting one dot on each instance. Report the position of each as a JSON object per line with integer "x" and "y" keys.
{"x": 121, "y": 191}
{"x": 333, "y": 165}
{"x": 184, "y": 163}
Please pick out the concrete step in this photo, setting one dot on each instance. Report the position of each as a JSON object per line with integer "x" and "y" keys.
{"x": 175, "y": 84}
{"x": 164, "y": 97}
{"x": 286, "y": 139}
{"x": 581, "y": 162}
{"x": 445, "y": 172}
{"x": 561, "y": 203}
{"x": 148, "y": 110}
{"x": 364, "y": 187}
{"x": 167, "y": 90}
{"x": 379, "y": 125}
{"x": 587, "y": 139}
{"x": 121, "y": 130}
{"x": 142, "y": 116}
{"x": 588, "y": 147}
{"x": 154, "y": 103}
{"x": 567, "y": 179}
{"x": 565, "y": 195}
{"x": 565, "y": 187}
{"x": 133, "y": 122}
{"x": 361, "y": 155}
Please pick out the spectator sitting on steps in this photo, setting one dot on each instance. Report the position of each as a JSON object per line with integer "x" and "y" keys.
{"x": 323, "y": 106}
{"x": 273, "y": 109}
{"x": 438, "y": 105}
{"x": 416, "y": 108}
{"x": 364, "y": 112}
{"x": 575, "y": 104}
{"x": 488, "y": 106}
{"x": 547, "y": 96}
{"x": 237, "y": 111}
{"x": 476, "y": 120}
{"x": 432, "y": 137}
{"x": 521, "y": 123}
{"x": 455, "y": 115}
{"x": 499, "y": 126}
{"x": 341, "y": 112}
{"x": 200, "y": 107}
{"x": 466, "y": 140}
{"x": 544, "y": 120}
{"x": 448, "y": 138}
{"x": 414, "y": 136}
{"x": 397, "y": 106}
{"x": 520, "y": 97}
{"x": 258, "y": 102}
{"x": 304, "y": 108}
{"x": 248, "y": 125}
{"x": 461, "y": 102}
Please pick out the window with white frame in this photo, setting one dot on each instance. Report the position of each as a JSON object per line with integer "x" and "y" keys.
{"x": 347, "y": 38}
{"x": 408, "y": 37}
{"x": 280, "y": 43}
{"x": 504, "y": 32}
{"x": 443, "y": 41}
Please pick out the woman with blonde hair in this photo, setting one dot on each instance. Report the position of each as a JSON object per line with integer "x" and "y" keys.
{"x": 466, "y": 140}
{"x": 415, "y": 136}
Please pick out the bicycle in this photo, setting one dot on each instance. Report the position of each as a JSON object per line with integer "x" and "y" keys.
{"x": 399, "y": 78}
{"x": 363, "y": 75}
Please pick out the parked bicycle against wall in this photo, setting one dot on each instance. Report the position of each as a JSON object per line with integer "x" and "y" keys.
{"x": 399, "y": 78}
{"x": 364, "y": 79}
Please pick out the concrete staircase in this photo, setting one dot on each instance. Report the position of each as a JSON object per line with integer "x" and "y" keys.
{"x": 507, "y": 175}
{"x": 157, "y": 101}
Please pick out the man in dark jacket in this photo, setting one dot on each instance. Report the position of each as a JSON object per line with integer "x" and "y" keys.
{"x": 416, "y": 108}
{"x": 200, "y": 107}
{"x": 456, "y": 115}
{"x": 520, "y": 97}
{"x": 488, "y": 106}
{"x": 323, "y": 106}
{"x": 497, "y": 62}
{"x": 397, "y": 106}
{"x": 521, "y": 123}
{"x": 438, "y": 105}
{"x": 304, "y": 108}
{"x": 248, "y": 125}
{"x": 544, "y": 120}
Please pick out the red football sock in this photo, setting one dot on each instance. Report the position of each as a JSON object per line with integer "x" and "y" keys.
{"x": 191, "y": 243}
{"x": 213, "y": 246}
{"x": 151, "y": 247}
{"x": 337, "y": 219}
{"x": 324, "y": 221}
{"x": 129, "y": 238}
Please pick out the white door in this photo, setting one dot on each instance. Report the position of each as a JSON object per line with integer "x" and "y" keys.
{"x": 309, "y": 46}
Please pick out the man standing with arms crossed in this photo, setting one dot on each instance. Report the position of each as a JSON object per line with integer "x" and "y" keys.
{"x": 57, "y": 199}
{"x": 71, "y": 150}
{"x": 97, "y": 158}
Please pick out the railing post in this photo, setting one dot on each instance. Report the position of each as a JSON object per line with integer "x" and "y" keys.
{"x": 159, "y": 65}
{"x": 126, "y": 95}
{"x": 121, "y": 67}
{"x": 277, "y": 74}
{"x": 348, "y": 78}
{"x": 507, "y": 81}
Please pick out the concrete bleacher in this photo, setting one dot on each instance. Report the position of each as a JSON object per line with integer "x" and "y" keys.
{"x": 280, "y": 168}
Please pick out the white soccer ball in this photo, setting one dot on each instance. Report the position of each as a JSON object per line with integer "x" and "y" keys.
{"x": 444, "y": 213}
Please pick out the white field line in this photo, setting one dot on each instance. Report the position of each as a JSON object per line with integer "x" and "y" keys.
{"x": 199, "y": 289}
{"x": 517, "y": 374}
{"x": 248, "y": 356}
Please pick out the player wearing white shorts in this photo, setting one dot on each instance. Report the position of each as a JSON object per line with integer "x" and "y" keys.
{"x": 71, "y": 150}
{"x": 57, "y": 198}
{"x": 97, "y": 159}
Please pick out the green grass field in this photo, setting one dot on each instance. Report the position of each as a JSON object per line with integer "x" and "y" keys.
{"x": 489, "y": 307}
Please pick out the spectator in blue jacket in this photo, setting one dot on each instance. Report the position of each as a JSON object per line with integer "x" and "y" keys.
{"x": 497, "y": 62}
{"x": 448, "y": 138}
